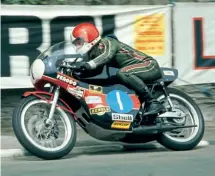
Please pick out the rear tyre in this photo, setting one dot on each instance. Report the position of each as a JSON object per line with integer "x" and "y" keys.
{"x": 170, "y": 141}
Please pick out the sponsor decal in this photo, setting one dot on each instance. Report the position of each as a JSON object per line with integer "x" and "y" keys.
{"x": 95, "y": 89}
{"x": 168, "y": 73}
{"x": 67, "y": 80}
{"x": 122, "y": 117}
{"x": 81, "y": 88}
{"x": 100, "y": 110}
{"x": 93, "y": 99}
{"x": 121, "y": 125}
{"x": 75, "y": 91}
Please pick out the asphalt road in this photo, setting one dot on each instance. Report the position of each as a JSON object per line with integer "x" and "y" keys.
{"x": 91, "y": 157}
{"x": 115, "y": 160}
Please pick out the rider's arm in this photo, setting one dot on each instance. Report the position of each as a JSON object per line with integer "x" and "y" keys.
{"x": 106, "y": 50}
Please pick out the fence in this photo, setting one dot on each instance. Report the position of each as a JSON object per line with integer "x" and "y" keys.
{"x": 26, "y": 34}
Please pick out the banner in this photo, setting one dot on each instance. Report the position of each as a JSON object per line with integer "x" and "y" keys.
{"x": 194, "y": 42}
{"x": 150, "y": 34}
{"x": 26, "y": 31}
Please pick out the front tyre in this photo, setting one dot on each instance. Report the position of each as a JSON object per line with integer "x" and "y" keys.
{"x": 187, "y": 138}
{"x": 51, "y": 141}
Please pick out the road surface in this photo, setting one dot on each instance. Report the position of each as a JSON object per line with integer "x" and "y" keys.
{"x": 97, "y": 160}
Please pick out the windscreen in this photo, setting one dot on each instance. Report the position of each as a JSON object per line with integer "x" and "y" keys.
{"x": 53, "y": 56}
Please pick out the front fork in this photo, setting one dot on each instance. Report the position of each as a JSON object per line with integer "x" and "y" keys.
{"x": 54, "y": 103}
{"x": 55, "y": 99}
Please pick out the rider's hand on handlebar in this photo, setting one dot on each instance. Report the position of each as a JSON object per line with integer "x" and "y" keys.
{"x": 79, "y": 66}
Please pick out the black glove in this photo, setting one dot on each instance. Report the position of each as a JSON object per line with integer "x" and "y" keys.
{"x": 79, "y": 66}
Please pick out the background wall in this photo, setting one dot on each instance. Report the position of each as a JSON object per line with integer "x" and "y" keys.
{"x": 178, "y": 36}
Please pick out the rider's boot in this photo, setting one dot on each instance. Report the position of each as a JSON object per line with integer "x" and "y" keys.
{"x": 153, "y": 106}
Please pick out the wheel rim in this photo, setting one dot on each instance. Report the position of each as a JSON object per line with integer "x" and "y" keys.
{"x": 32, "y": 123}
{"x": 191, "y": 114}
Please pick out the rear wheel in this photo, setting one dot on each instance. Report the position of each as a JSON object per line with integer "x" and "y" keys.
{"x": 47, "y": 141}
{"x": 187, "y": 138}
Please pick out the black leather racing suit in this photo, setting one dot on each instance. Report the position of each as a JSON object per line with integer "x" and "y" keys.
{"x": 135, "y": 67}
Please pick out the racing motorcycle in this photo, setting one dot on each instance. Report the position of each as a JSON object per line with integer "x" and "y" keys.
{"x": 45, "y": 120}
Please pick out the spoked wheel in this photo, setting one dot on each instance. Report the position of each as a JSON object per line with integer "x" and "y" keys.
{"x": 49, "y": 141}
{"x": 183, "y": 138}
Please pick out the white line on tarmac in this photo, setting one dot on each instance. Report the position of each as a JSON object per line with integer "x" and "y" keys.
{"x": 203, "y": 144}
{"x": 6, "y": 153}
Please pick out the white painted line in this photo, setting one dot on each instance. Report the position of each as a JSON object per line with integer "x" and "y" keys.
{"x": 6, "y": 153}
{"x": 21, "y": 152}
{"x": 12, "y": 152}
{"x": 203, "y": 144}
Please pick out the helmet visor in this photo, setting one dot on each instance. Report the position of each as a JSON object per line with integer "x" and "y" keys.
{"x": 80, "y": 46}
{"x": 78, "y": 42}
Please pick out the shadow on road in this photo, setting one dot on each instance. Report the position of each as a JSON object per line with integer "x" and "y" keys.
{"x": 122, "y": 151}
{"x": 114, "y": 149}
{"x": 104, "y": 150}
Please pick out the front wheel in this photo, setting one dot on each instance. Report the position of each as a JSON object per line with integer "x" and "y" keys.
{"x": 47, "y": 141}
{"x": 185, "y": 138}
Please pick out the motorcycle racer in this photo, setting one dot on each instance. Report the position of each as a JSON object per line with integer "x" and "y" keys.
{"x": 136, "y": 67}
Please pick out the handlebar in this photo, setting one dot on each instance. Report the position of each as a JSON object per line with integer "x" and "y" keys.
{"x": 68, "y": 66}
{"x": 71, "y": 66}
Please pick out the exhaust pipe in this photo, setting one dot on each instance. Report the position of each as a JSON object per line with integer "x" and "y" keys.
{"x": 157, "y": 129}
